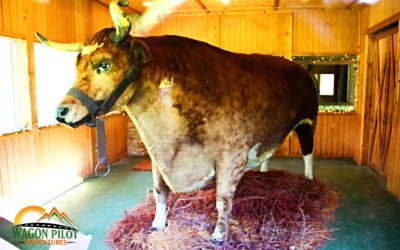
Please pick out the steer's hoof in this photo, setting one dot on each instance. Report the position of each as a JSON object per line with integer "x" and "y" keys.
{"x": 309, "y": 184}
{"x": 155, "y": 229}
{"x": 217, "y": 242}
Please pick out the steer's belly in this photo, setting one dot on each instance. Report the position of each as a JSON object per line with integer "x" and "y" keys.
{"x": 190, "y": 168}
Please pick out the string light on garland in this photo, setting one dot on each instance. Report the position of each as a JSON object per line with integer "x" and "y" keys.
{"x": 350, "y": 60}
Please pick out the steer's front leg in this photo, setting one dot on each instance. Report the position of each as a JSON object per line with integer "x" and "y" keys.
{"x": 228, "y": 177}
{"x": 160, "y": 193}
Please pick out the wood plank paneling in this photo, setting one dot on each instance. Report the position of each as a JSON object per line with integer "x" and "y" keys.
{"x": 61, "y": 21}
{"x": 15, "y": 163}
{"x": 200, "y": 27}
{"x": 99, "y": 17}
{"x": 325, "y": 32}
{"x": 116, "y": 129}
{"x": 382, "y": 10}
{"x": 313, "y": 31}
{"x": 333, "y": 137}
{"x": 1, "y": 16}
{"x": 394, "y": 159}
{"x": 255, "y": 32}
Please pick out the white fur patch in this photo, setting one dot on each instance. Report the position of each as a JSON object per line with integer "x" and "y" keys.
{"x": 160, "y": 218}
{"x": 253, "y": 161}
{"x": 303, "y": 122}
{"x": 252, "y": 154}
{"x": 89, "y": 49}
{"x": 264, "y": 166}
{"x": 217, "y": 235}
{"x": 166, "y": 83}
{"x": 204, "y": 181}
{"x": 164, "y": 93}
{"x": 308, "y": 165}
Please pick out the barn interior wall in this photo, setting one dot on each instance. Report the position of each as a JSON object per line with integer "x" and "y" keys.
{"x": 372, "y": 18}
{"x": 40, "y": 163}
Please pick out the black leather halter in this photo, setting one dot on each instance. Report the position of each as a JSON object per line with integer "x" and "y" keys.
{"x": 102, "y": 107}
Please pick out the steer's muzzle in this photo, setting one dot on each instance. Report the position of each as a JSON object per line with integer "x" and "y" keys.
{"x": 62, "y": 113}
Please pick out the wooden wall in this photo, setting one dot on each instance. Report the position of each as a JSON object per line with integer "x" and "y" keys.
{"x": 306, "y": 32}
{"x": 99, "y": 17}
{"x": 325, "y": 32}
{"x": 381, "y": 11}
{"x": 43, "y": 162}
{"x": 372, "y": 18}
{"x": 331, "y": 138}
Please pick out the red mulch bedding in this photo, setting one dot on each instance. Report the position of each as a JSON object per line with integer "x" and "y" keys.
{"x": 272, "y": 210}
{"x": 143, "y": 166}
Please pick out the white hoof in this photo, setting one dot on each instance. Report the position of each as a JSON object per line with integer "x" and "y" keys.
{"x": 308, "y": 165}
{"x": 217, "y": 237}
{"x": 160, "y": 219}
{"x": 264, "y": 166}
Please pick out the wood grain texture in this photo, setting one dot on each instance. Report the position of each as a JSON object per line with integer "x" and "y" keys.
{"x": 116, "y": 128}
{"x": 318, "y": 32}
{"x": 204, "y": 27}
{"x": 334, "y": 137}
{"x": 382, "y": 10}
{"x": 255, "y": 32}
{"x": 99, "y": 17}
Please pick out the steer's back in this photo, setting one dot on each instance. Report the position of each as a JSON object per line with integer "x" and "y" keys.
{"x": 261, "y": 97}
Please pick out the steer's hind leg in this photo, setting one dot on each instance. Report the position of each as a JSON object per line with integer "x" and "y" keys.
{"x": 160, "y": 193}
{"x": 264, "y": 166}
{"x": 228, "y": 176}
{"x": 305, "y": 133}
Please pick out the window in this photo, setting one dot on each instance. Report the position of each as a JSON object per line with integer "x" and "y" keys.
{"x": 326, "y": 84}
{"x": 14, "y": 86}
{"x": 55, "y": 74}
{"x": 334, "y": 78}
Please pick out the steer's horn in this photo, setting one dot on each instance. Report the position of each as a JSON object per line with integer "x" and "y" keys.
{"x": 120, "y": 19}
{"x": 73, "y": 47}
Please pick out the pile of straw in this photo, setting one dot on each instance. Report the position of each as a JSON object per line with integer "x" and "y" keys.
{"x": 272, "y": 210}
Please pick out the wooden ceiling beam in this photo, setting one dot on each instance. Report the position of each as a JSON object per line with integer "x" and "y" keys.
{"x": 202, "y": 6}
{"x": 275, "y": 5}
{"x": 107, "y": 3}
{"x": 351, "y": 4}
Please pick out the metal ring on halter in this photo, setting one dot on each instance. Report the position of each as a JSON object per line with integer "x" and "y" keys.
{"x": 101, "y": 174}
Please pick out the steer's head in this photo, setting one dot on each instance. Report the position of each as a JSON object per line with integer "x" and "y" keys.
{"x": 106, "y": 61}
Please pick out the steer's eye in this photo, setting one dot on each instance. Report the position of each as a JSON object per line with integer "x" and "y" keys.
{"x": 103, "y": 67}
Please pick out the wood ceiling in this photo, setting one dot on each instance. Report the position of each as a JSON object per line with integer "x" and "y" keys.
{"x": 193, "y": 6}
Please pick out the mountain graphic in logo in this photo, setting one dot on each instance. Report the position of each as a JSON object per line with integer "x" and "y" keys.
{"x": 54, "y": 216}
{"x": 34, "y": 226}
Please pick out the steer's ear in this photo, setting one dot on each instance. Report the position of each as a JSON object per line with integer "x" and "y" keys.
{"x": 140, "y": 51}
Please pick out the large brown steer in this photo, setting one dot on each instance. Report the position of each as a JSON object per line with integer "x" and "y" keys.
{"x": 202, "y": 112}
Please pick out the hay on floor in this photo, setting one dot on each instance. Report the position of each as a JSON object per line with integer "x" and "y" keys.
{"x": 272, "y": 210}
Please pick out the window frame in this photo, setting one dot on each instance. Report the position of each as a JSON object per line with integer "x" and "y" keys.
{"x": 351, "y": 61}
{"x": 20, "y": 85}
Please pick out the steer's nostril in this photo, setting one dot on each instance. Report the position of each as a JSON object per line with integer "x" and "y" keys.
{"x": 62, "y": 112}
